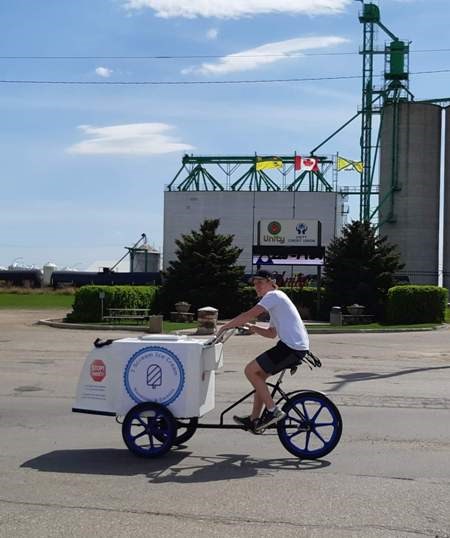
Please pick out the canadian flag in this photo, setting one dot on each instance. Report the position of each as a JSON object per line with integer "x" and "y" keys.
{"x": 307, "y": 163}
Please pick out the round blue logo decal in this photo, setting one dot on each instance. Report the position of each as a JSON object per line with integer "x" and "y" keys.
{"x": 154, "y": 374}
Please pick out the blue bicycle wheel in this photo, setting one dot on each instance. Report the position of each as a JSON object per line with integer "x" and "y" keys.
{"x": 312, "y": 426}
{"x": 149, "y": 430}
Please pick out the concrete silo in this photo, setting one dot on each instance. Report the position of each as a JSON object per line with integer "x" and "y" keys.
{"x": 144, "y": 259}
{"x": 410, "y": 147}
{"x": 446, "y": 260}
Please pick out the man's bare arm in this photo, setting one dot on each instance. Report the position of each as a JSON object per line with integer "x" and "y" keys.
{"x": 269, "y": 332}
{"x": 243, "y": 318}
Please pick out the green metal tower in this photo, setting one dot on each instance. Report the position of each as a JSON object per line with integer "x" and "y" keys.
{"x": 394, "y": 91}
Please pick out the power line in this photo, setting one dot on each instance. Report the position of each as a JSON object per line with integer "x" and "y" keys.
{"x": 236, "y": 56}
{"x": 184, "y": 57}
{"x": 174, "y": 82}
{"x": 198, "y": 82}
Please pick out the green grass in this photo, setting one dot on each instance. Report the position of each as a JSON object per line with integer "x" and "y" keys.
{"x": 36, "y": 301}
{"x": 168, "y": 326}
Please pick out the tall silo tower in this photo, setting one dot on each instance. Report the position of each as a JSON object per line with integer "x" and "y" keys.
{"x": 446, "y": 264}
{"x": 410, "y": 144}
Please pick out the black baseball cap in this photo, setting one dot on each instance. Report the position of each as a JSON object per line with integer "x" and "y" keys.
{"x": 267, "y": 275}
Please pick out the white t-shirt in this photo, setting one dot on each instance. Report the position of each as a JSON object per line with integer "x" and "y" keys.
{"x": 285, "y": 318}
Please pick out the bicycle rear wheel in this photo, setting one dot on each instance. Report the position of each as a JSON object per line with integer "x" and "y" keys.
{"x": 312, "y": 426}
{"x": 149, "y": 430}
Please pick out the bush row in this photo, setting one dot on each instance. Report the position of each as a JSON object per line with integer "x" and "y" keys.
{"x": 88, "y": 305}
{"x": 405, "y": 303}
{"x": 416, "y": 304}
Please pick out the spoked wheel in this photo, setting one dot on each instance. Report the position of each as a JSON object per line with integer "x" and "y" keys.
{"x": 149, "y": 430}
{"x": 312, "y": 426}
{"x": 186, "y": 427}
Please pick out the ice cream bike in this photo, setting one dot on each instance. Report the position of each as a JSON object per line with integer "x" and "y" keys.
{"x": 159, "y": 386}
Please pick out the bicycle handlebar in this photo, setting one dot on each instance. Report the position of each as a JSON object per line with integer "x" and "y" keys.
{"x": 221, "y": 338}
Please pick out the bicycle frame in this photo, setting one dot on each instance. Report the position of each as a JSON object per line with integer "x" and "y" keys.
{"x": 276, "y": 389}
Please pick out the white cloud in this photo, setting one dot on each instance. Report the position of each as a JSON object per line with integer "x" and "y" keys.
{"x": 103, "y": 72}
{"x": 129, "y": 139}
{"x": 265, "y": 54}
{"x": 212, "y": 33}
{"x": 227, "y": 9}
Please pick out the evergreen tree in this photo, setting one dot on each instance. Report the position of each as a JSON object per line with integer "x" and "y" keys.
{"x": 205, "y": 271}
{"x": 359, "y": 268}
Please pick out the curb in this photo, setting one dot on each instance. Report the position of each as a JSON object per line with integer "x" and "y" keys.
{"x": 311, "y": 330}
{"x": 59, "y": 324}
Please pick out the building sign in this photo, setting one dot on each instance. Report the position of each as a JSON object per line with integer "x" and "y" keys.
{"x": 292, "y": 232}
{"x": 266, "y": 255}
{"x": 288, "y": 242}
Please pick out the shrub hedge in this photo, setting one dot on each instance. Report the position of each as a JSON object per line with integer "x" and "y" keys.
{"x": 305, "y": 299}
{"x": 87, "y": 305}
{"x": 416, "y": 304}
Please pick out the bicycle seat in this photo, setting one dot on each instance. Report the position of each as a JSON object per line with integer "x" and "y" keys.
{"x": 310, "y": 359}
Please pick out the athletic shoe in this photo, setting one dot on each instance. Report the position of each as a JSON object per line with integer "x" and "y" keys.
{"x": 270, "y": 418}
{"x": 246, "y": 422}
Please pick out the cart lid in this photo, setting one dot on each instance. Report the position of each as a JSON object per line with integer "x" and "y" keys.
{"x": 163, "y": 337}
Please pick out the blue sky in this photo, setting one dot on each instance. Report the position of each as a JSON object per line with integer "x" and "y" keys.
{"x": 84, "y": 166}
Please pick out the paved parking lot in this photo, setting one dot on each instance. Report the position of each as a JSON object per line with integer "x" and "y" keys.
{"x": 66, "y": 474}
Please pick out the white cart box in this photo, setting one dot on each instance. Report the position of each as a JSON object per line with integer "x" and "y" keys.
{"x": 175, "y": 371}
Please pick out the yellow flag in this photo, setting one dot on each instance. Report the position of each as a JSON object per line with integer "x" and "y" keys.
{"x": 346, "y": 164}
{"x": 342, "y": 163}
{"x": 358, "y": 166}
{"x": 264, "y": 165}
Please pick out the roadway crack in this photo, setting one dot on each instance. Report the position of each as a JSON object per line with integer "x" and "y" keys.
{"x": 229, "y": 520}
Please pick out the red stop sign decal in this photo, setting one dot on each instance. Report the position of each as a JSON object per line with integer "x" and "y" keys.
{"x": 98, "y": 370}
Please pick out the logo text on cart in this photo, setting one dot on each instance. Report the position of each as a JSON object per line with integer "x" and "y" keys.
{"x": 154, "y": 374}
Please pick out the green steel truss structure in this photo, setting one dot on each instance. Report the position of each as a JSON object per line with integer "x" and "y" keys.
{"x": 394, "y": 91}
{"x": 239, "y": 173}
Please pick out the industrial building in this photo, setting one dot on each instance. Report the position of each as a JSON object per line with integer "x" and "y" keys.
{"x": 241, "y": 214}
{"x": 402, "y": 160}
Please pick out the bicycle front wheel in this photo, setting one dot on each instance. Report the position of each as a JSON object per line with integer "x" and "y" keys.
{"x": 312, "y": 426}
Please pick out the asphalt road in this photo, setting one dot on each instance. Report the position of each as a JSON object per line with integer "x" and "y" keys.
{"x": 69, "y": 475}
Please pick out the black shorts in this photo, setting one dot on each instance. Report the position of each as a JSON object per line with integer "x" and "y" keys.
{"x": 279, "y": 357}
